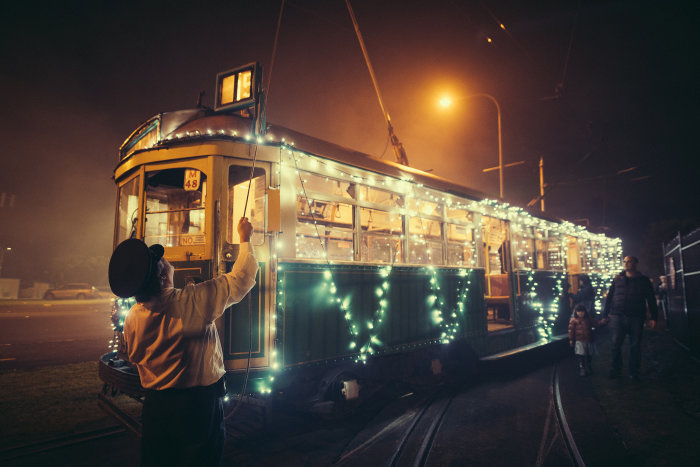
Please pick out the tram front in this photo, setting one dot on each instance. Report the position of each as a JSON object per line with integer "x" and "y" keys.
{"x": 184, "y": 179}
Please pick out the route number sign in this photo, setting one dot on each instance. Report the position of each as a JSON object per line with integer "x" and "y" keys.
{"x": 192, "y": 177}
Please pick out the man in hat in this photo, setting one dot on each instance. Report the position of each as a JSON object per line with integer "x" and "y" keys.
{"x": 172, "y": 339}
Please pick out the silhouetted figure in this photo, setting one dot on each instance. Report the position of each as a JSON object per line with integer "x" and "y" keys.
{"x": 626, "y": 306}
{"x": 585, "y": 294}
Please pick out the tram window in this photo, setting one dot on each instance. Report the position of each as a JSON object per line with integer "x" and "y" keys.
{"x": 380, "y": 239}
{"x": 555, "y": 257}
{"x": 324, "y": 227}
{"x": 541, "y": 249}
{"x": 382, "y": 197}
{"x": 461, "y": 246}
{"x": 316, "y": 184}
{"x": 584, "y": 248}
{"x": 548, "y": 249}
{"x": 597, "y": 264}
{"x": 425, "y": 241}
{"x": 238, "y": 178}
{"x": 425, "y": 208}
{"x": 524, "y": 245}
{"x": 459, "y": 215}
{"x": 128, "y": 209}
{"x": 175, "y": 215}
{"x": 573, "y": 263}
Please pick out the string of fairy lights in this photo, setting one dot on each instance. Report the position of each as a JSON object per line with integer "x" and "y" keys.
{"x": 600, "y": 256}
{"x": 547, "y": 308}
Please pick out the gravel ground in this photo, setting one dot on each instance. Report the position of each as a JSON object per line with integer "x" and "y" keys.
{"x": 657, "y": 418}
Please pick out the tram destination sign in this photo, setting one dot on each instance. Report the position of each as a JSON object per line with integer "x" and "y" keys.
{"x": 237, "y": 89}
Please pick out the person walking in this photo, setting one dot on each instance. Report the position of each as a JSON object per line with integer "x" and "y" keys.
{"x": 581, "y": 337}
{"x": 626, "y": 303}
{"x": 172, "y": 339}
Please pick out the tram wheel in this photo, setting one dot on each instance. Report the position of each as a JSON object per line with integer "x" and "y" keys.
{"x": 49, "y": 296}
{"x": 81, "y": 296}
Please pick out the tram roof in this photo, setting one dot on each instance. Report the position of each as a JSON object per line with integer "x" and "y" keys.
{"x": 187, "y": 126}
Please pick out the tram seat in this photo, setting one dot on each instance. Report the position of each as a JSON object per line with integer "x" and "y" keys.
{"x": 499, "y": 285}
{"x": 498, "y": 303}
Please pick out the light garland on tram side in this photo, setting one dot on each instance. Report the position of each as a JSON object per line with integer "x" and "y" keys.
{"x": 547, "y": 312}
{"x": 120, "y": 308}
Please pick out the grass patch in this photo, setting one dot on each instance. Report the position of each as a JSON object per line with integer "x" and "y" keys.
{"x": 658, "y": 418}
{"x": 53, "y": 401}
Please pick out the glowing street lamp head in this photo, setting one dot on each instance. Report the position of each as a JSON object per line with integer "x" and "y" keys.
{"x": 445, "y": 102}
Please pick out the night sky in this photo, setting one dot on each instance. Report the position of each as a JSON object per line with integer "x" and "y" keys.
{"x": 592, "y": 87}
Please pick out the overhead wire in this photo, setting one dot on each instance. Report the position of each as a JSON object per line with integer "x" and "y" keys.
{"x": 560, "y": 86}
{"x": 558, "y": 92}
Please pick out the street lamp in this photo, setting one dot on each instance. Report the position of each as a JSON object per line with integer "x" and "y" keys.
{"x": 447, "y": 101}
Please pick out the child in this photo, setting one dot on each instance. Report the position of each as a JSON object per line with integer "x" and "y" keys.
{"x": 581, "y": 337}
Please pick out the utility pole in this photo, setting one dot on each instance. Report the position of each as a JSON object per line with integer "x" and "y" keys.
{"x": 542, "y": 184}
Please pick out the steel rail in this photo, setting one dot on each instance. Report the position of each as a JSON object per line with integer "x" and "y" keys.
{"x": 569, "y": 441}
{"x": 401, "y": 445}
{"x": 427, "y": 444}
{"x": 58, "y": 443}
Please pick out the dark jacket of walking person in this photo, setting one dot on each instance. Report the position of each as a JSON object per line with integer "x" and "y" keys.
{"x": 585, "y": 294}
{"x": 626, "y": 306}
{"x": 172, "y": 339}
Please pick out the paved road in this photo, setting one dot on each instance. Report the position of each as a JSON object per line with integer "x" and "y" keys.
{"x": 37, "y": 333}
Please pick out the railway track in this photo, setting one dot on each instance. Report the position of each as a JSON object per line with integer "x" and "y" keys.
{"x": 408, "y": 438}
{"x": 20, "y": 452}
{"x": 443, "y": 426}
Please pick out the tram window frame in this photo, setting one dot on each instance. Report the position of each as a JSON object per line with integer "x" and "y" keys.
{"x": 256, "y": 210}
{"x": 555, "y": 249}
{"x": 454, "y": 244}
{"x": 523, "y": 243}
{"x": 336, "y": 242}
{"x": 574, "y": 265}
{"x": 316, "y": 186}
{"x": 544, "y": 239}
{"x": 133, "y": 217}
{"x": 584, "y": 249}
{"x": 370, "y": 248}
{"x": 199, "y": 239}
{"x": 417, "y": 241}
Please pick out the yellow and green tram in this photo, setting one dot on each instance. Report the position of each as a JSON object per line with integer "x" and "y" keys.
{"x": 362, "y": 261}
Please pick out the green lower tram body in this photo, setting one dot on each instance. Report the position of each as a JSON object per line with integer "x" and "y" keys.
{"x": 350, "y": 317}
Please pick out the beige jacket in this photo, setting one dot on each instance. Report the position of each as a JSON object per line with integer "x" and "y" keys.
{"x": 173, "y": 340}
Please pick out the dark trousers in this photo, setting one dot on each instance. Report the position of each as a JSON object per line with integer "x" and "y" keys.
{"x": 183, "y": 427}
{"x": 620, "y": 326}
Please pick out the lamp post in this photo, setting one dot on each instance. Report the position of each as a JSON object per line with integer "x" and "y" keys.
{"x": 446, "y": 102}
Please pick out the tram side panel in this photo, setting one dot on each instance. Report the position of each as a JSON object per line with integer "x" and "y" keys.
{"x": 354, "y": 313}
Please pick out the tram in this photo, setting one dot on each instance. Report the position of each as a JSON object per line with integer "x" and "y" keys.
{"x": 364, "y": 264}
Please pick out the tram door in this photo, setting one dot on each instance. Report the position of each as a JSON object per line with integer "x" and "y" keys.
{"x": 498, "y": 273}
{"x": 247, "y": 325}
